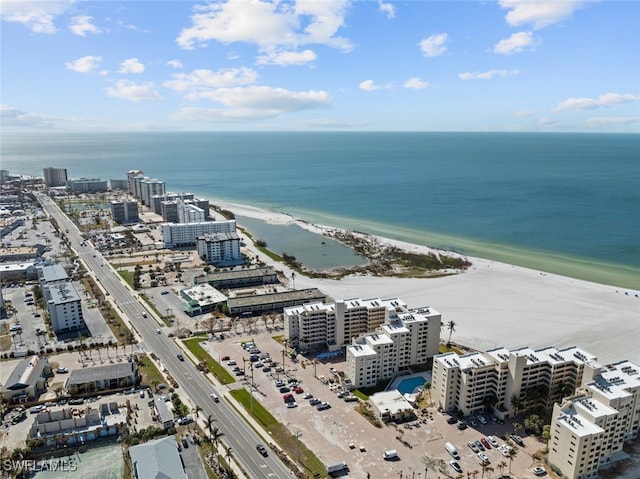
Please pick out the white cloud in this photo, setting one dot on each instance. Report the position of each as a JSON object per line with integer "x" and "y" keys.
{"x": 434, "y": 45}
{"x": 131, "y": 65}
{"x": 81, "y": 25}
{"x": 10, "y": 117}
{"x": 218, "y": 115}
{"x": 287, "y": 58}
{"x": 85, "y": 64}
{"x": 177, "y": 64}
{"x": 203, "y": 80}
{"x": 539, "y": 14}
{"x": 416, "y": 83}
{"x": 135, "y": 92}
{"x": 387, "y": 8}
{"x": 525, "y": 114}
{"x": 268, "y": 98}
{"x": 267, "y": 24}
{"x": 606, "y": 100}
{"x": 36, "y": 15}
{"x": 606, "y": 121}
{"x": 516, "y": 43}
{"x": 488, "y": 75}
{"x": 369, "y": 85}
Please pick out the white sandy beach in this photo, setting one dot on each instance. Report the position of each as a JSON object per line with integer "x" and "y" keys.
{"x": 496, "y": 304}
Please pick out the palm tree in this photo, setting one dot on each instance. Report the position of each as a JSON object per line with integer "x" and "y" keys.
{"x": 196, "y": 411}
{"x": 451, "y": 327}
{"x": 215, "y": 437}
{"x": 490, "y": 470}
{"x": 209, "y": 424}
{"x": 511, "y": 454}
{"x": 516, "y": 403}
{"x": 228, "y": 454}
{"x": 501, "y": 466}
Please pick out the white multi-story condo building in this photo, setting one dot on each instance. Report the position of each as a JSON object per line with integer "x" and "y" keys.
{"x": 131, "y": 180}
{"x": 467, "y": 383}
{"x": 219, "y": 248}
{"x": 150, "y": 187}
{"x": 190, "y": 213}
{"x": 64, "y": 306}
{"x": 185, "y": 234}
{"x": 407, "y": 338}
{"x": 321, "y": 327}
{"x": 588, "y": 430}
{"x": 88, "y": 185}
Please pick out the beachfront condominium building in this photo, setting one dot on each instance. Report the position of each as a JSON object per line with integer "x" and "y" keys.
{"x": 149, "y": 187}
{"x": 589, "y": 429}
{"x": 319, "y": 327}
{"x": 508, "y": 380}
{"x": 88, "y": 185}
{"x": 131, "y": 180}
{"x": 125, "y": 211}
{"x": 156, "y": 201}
{"x": 54, "y": 177}
{"x": 219, "y": 248}
{"x": 190, "y": 213}
{"x": 407, "y": 338}
{"x": 185, "y": 234}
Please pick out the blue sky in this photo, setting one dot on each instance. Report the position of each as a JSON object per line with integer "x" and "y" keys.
{"x": 372, "y": 65}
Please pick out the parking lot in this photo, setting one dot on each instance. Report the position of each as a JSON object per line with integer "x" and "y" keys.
{"x": 339, "y": 433}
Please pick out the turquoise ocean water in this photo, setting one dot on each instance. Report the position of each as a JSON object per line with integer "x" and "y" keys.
{"x": 562, "y": 203}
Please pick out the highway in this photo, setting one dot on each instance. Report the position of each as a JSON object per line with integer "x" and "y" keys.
{"x": 237, "y": 433}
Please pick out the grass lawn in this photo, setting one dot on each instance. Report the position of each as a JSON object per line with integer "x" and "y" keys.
{"x": 281, "y": 435}
{"x": 214, "y": 367}
{"x": 150, "y": 374}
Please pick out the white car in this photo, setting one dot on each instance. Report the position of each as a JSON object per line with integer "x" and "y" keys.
{"x": 505, "y": 450}
{"x": 493, "y": 441}
{"x": 484, "y": 459}
{"x": 539, "y": 471}
{"x": 482, "y": 419}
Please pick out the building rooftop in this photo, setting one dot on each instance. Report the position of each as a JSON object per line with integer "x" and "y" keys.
{"x": 578, "y": 426}
{"x": 218, "y": 237}
{"x": 361, "y": 350}
{"x": 391, "y": 401}
{"x": 54, "y": 272}
{"x": 157, "y": 459}
{"x": 204, "y": 294}
{"x": 295, "y": 295}
{"x": 61, "y": 293}
{"x": 110, "y": 371}
{"x": 27, "y": 372}
{"x": 236, "y": 274}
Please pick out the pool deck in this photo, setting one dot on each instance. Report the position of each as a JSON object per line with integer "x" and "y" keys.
{"x": 426, "y": 375}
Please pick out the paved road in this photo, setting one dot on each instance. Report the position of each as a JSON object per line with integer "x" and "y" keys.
{"x": 237, "y": 433}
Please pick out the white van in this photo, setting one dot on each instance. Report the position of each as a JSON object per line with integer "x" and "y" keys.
{"x": 451, "y": 449}
{"x": 215, "y": 397}
{"x": 390, "y": 454}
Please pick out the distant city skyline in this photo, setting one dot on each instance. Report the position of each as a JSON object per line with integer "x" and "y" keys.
{"x": 257, "y": 65}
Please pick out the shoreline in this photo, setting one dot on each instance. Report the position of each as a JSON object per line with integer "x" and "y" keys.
{"x": 492, "y": 304}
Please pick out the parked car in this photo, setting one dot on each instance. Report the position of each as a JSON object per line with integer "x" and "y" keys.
{"x": 485, "y": 443}
{"x": 322, "y": 406}
{"x": 314, "y": 401}
{"x": 225, "y": 358}
{"x": 456, "y": 466}
{"x": 308, "y": 395}
{"x": 185, "y": 444}
{"x": 517, "y": 439}
{"x": 482, "y": 419}
{"x": 62, "y": 370}
{"x": 480, "y": 446}
{"x": 452, "y": 420}
{"x": 164, "y": 291}
{"x": 493, "y": 441}
{"x": 484, "y": 459}
{"x": 473, "y": 447}
{"x": 539, "y": 471}
{"x": 292, "y": 404}
{"x": 231, "y": 363}
{"x": 285, "y": 389}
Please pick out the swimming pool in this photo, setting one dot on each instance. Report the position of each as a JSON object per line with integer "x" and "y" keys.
{"x": 409, "y": 385}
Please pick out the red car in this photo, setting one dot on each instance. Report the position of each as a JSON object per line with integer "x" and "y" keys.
{"x": 225, "y": 358}
{"x": 485, "y": 443}
{"x": 299, "y": 390}
{"x": 288, "y": 398}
